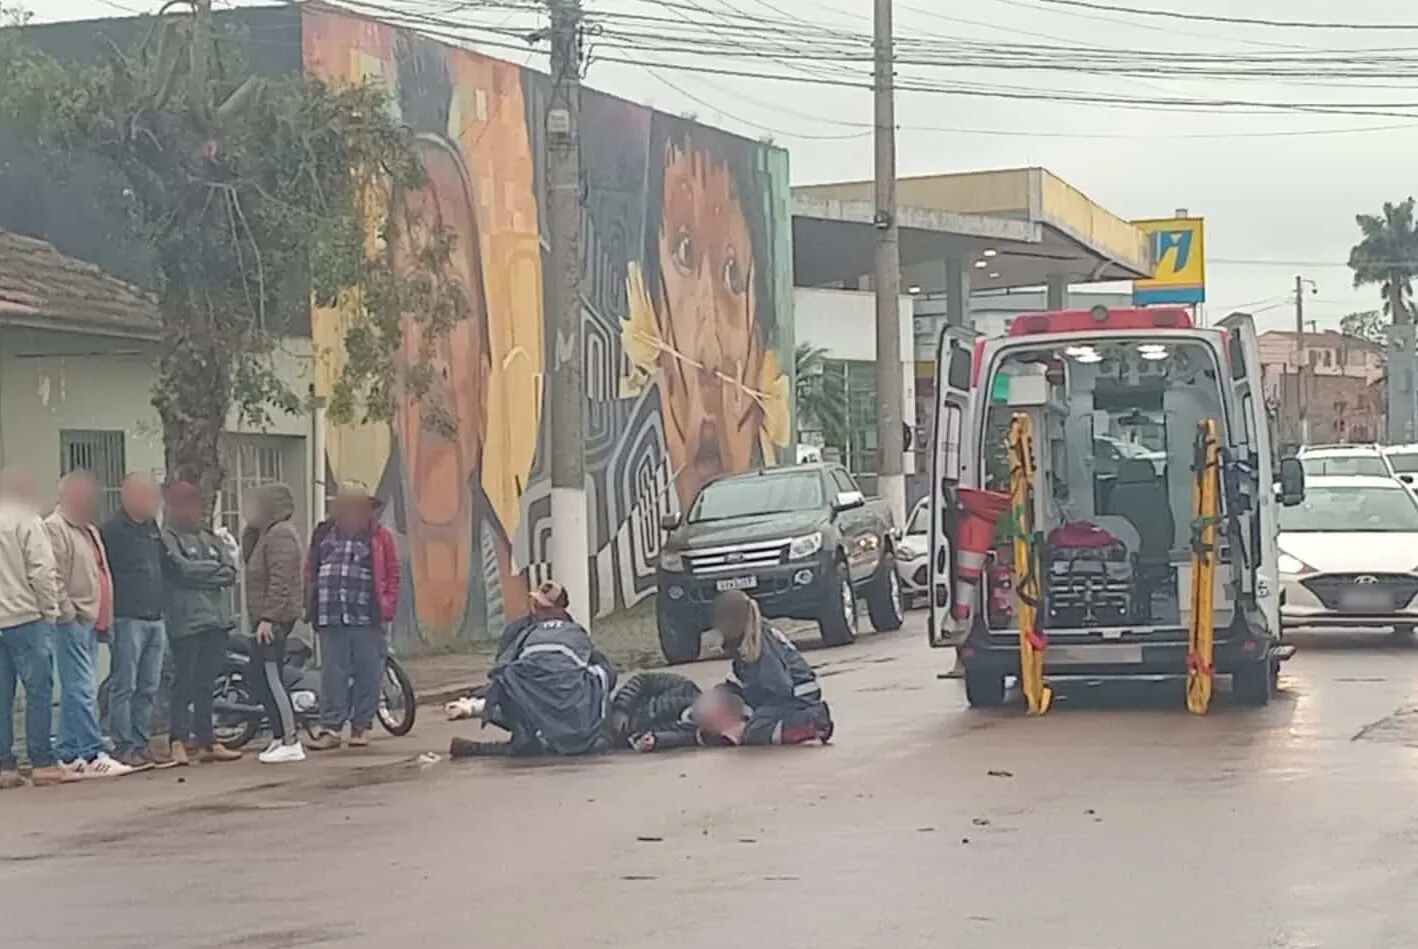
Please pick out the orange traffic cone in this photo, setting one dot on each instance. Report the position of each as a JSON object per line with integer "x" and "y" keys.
{"x": 973, "y": 543}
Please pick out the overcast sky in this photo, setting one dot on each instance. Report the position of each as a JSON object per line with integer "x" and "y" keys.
{"x": 1279, "y": 190}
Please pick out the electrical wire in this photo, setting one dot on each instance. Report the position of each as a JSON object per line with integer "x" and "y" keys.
{"x": 1231, "y": 20}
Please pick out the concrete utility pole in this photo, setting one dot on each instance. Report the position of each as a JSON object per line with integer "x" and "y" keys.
{"x": 891, "y": 482}
{"x": 570, "y": 536}
{"x": 1302, "y": 395}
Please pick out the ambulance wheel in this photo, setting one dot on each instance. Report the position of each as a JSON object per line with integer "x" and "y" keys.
{"x": 984, "y": 688}
{"x": 884, "y": 600}
{"x": 1251, "y": 683}
{"x": 678, "y": 643}
{"x": 838, "y": 621}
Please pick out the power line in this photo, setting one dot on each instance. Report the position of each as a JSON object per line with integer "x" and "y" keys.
{"x": 1231, "y": 20}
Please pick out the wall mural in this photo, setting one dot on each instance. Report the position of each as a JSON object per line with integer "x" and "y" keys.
{"x": 688, "y": 328}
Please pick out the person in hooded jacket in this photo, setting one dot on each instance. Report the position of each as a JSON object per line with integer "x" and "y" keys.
{"x": 274, "y": 555}
{"x": 778, "y": 687}
{"x": 549, "y": 688}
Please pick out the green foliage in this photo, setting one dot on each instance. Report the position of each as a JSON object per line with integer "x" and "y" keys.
{"x": 1387, "y": 256}
{"x": 1367, "y": 324}
{"x": 820, "y": 397}
{"x": 256, "y": 196}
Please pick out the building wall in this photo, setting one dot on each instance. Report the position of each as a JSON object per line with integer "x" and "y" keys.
{"x": 843, "y": 322}
{"x": 53, "y": 382}
{"x": 688, "y": 323}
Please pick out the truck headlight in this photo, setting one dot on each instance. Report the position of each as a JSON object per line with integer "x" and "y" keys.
{"x": 672, "y": 560}
{"x": 1291, "y": 565}
{"x": 805, "y": 546}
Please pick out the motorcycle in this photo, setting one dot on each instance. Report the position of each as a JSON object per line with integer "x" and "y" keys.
{"x": 238, "y": 717}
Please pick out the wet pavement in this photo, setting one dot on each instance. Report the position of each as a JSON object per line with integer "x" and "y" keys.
{"x": 1117, "y": 821}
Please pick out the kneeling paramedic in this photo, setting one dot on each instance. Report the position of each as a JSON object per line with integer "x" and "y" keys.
{"x": 549, "y": 687}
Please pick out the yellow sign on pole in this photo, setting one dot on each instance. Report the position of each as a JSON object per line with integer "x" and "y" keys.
{"x": 1179, "y": 262}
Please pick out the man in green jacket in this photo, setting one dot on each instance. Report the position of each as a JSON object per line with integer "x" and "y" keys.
{"x": 200, "y": 573}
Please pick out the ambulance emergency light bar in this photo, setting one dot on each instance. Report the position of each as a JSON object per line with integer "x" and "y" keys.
{"x": 1101, "y": 318}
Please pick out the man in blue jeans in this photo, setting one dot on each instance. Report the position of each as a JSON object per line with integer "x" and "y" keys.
{"x": 85, "y": 610}
{"x": 29, "y": 606}
{"x": 139, "y": 639}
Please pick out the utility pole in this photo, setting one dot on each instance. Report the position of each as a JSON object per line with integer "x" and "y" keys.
{"x": 1302, "y": 396}
{"x": 891, "y": 482}
{"x": 570, "y": 535}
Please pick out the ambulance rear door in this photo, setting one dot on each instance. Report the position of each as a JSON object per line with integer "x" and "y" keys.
{"x": 951, "y": 443}
{"x": 1255, "y": 467}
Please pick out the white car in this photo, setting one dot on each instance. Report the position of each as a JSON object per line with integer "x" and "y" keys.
{"x": 1322, "y": 460}
{"x": 1349, "y": 555}
{"x": 1403, "y": 459}
{"x": 913, "y": 553}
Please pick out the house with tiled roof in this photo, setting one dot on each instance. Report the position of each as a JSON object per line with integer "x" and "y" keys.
{"x": 78, "y": 348}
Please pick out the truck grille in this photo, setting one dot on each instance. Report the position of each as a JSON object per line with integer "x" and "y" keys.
{"x": 738, "y": 558}
{"x": 1331, "y": 588}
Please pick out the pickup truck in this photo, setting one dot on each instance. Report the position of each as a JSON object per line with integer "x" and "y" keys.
{"x": 802, "y": 540}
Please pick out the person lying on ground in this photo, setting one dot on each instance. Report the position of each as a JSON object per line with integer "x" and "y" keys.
{"x": 548, "y": 688}
{"x": 715, "y": 719}
{"x": 647, "y": 702}
{"x": 777, "y": 685}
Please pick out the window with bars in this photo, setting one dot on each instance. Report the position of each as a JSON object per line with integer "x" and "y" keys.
{"x": 101, "y": 453}
{"x": 249, "y": 462}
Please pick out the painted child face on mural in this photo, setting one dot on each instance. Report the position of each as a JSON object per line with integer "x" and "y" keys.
{"x": 707, "y": 313}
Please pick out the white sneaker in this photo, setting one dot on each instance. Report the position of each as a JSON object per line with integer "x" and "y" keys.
{"x": 275, "y": 743}
{"x": 75, "y": 767}
{"x": 105, "y": 767}
{"x": 281, "y": 754}
{"x": 469, "y": 707}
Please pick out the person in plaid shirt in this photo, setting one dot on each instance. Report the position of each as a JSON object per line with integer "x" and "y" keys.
{"x": 352, "y": 593}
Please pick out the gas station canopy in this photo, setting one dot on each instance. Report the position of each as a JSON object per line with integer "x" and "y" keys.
{"x": 996, "y": 229}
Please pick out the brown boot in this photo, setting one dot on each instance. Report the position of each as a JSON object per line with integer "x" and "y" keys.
{"x": 51, "y": 775}
{"x": 180, "y": 758}
{"x": 9, "y": 780}
{"x": 325, "y": 741}
{"x": 359, "y": 738}
{"x": 216, "y": 754}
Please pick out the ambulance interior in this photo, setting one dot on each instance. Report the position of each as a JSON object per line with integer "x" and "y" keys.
{"x": 1115, "y": 422}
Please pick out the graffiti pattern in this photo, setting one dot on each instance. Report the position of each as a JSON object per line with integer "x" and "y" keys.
{"x": 687, "y": 318}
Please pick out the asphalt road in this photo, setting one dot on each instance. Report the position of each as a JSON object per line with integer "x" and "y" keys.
{"x": 1117, "y": 821}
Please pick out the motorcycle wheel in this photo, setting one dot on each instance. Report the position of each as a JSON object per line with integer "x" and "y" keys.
{"x": 398, "y": 705}
{"x": 231, "y": 730}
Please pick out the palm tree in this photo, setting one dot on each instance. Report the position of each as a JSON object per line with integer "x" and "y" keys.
{"x": 819, "y": 396}
{"x": 1388, "y": 256}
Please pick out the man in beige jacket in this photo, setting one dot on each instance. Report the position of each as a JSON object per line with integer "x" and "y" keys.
{"x": 85, "y": 611}
{"x": 29, "y": 607}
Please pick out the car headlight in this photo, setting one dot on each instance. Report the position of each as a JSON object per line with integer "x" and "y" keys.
{"x": 804, "y": 546}
{"x": 672, "y": 560}
{"x": 1293, "y": 565}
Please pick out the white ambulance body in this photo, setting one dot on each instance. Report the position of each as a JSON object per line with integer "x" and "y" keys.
{"x": 1116, "y": 397}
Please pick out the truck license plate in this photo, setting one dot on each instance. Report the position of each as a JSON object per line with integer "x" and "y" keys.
{"x": 1366, "y": 601}
{"x": 736, "y": 583}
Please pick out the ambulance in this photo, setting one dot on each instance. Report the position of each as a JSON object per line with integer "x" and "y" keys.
{"x": 1069, "y": 531}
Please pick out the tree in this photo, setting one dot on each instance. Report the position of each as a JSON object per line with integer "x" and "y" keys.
{"x": 1366, "y": 324}
{"x": 1388, "y": 256}
{"x": 820, "y": 397}
{"x": 257, "y": 198}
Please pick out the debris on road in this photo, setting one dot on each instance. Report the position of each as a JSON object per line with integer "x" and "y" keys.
{"x": 1000, "y": 774}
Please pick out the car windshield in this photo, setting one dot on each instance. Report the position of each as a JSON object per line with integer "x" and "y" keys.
{"x": 1358, "y": 509}
{"x": 758, "y": 494}
{"x": 1344, "y": 465}
{"x": 920, "y": 522}
{"x": 1404, "y": 464}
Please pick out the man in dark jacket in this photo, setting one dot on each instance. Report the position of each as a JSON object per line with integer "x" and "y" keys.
{"x": 138, "y": 639}
{"x": 200, "y": 577}
{"x": 549, "y": 688}
{"x": 352, "y": 594}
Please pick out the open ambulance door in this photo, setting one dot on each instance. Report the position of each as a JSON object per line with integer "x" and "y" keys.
{"x": 1252, "y": 469}
{"x": 954, "y": 358}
